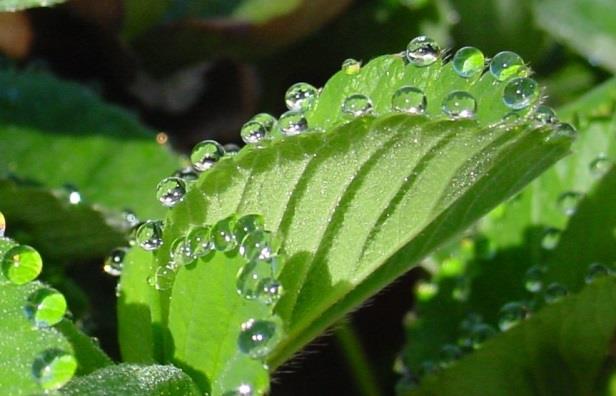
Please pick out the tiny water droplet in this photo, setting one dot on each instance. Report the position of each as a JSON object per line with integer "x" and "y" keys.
{"x": 480, "y": 333}
{"x": 511, "y": 314}
{"x": 46, "y": 307}
{"x": 170, "y": 191}
{"x": 259, "y": 244}
{"x": 551, "y": 237}
{"x": 22, "y": 264}
{"x": 292, "y": 123}
{"x": 258, "y": 337}
{"x": 2, "y": 225}
{"x": 533, "y": 279}
{"x": 351, "y": 66}
{"x": 600, "y": 166}
{"x": 555, "y": 292}
{"x": 222, "y": 235}
{"x": 468, "y": 62}
{"x": 253, "y": 132}
{"x": 459, "y": 105}
{"x": 596, "y": 271}
{"x": 301, "y": 96}
{"x": 252, "y": 278}
{"x": 130, "y": 218}
{"x": 568, "y": 202}
{"x": 73, "y": 195}
{"x": 265, "y": 119}
{"x": 410, "y": 100}
{"x": 357, "y": 105}
{"x": 200, "y": 241}
{"x": 114, "y": 263}
{"x": 149, "y": 235}
{"x": 53, "y": 368}
{"x": 449, "y": 354}
{"x": 520, "y": 93}
{"x": 181, "y": 252}
{"x": 506, "y": 65}
{"x": 163, "y": 278}
{"x": 545, "y": 115}
{"x": 205, "y": 154}
{"x": 422, "y": 51}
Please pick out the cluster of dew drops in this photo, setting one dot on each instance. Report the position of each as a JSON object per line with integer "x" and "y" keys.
{"x": 44, "y": 308}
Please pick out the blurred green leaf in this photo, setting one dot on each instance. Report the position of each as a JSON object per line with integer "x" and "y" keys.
{"x": 17, "y": 5}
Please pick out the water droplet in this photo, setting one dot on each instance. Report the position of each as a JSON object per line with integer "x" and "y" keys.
{"x": 459, "y": 105}
{"x": 520, "y": 93}
{"x": 545, "y": 115}
{"x": 200, "y": 241}
{"x": 231, "y": 149}
{"x": 265, "y": 119}
{"x": 506, "y": 65}
{"x": 480, "y": 333}
{"x": 468, "y": 62}
{"x": 22, "y": 264}
{"x": 163, "y": 278}
{"x": 54, "y": 368}
{"x": 511, "y": 314}
{"x": 114, "y": 263}
{"x": 568, "y": 202}
{"x": 187, "y": 174}
{"x": 259, "y": 245}
{"x": 73, "y": 195}
{"x": 600, "y": 166}
{"x": 351, "y": 66}
{"x": 300, "y": 96}
{"x": 270, "y": 291}
{"x": 563, "y": 131}
{"x": 258, "y": 337}
{"x": 130, "y": 218}
{"x": 247, "y": 224}
{"x": 222, "y": 235}
{"x": 596, "y": 271}
{"x": 292, "y": 123}
{"x": 205, "y": 154}
{"x": 551, "y": 237}
{"x": 533, "y": 279}
{"x": 449, "y": 354}
{"x": 422, "y": 51}
{"x": 252, "y": 278}
{"x": 357, "y": 105}
{"x": 181, "y": 252}
{"x": 170, "y": 191}
{"x": 2, "y": 225}
{"x": 46, "y": 307}
{"x": 410, "y": 100}
{"x": 149, "y": 235}
{"x": 555, "y": 292}
{"x": 253, "y": 132}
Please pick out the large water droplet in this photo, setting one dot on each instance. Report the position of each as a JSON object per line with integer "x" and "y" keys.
{"x": 533, "y": 279}
{"x": 54, "y": 368}
{"x": 555, "y": 292}
{"x": 253, "y": 132}
{"x": 46, "y": 307}
{"x": 357, "y": 105}
{"x": 351, "y": 66}
{"x": 292, "y": 123}
{"x": 506, "y": 65}
{"x": 149, "y": 235}
{"x": 551, "y": 237}
{"x": 300, "y": 96}
{"x": 115, "y": 262}
{"x": 410, "y": 100}
{"x": 459, "y": 105}
{"x": 253, "y": 277}
{"x": 422, "y": 51}
{"x": 205, "y": 154}
{"x": 480, "y": 333}
{"x": 267, "y": 120}
{"x": 520, "y": 93}
{"x": 222, "y": 235}
{"x": 2, "y": 225}
{"x": 200, "y": 241}
{"x": 449, "y": 354}
{"x": 247, "y": 224}
{"x": 181, "y": 252}
{"x": 163, "y": 278}
{"x": 568, "y": 202}
{"x": 258, "y": 337}
{"x": 600, "y": 166}
{"x": 259, "y": 244}
{"x": 468, "y": 62}
{"x": 170, "y": 191}
{"x": 511, "y": 314}
{"x": 545, "y": 115}
{"x": 596, "y": 271}
{"x": 22, "y": 264}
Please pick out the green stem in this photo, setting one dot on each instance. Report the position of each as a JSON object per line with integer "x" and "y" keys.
{"x": 356, "y": 359}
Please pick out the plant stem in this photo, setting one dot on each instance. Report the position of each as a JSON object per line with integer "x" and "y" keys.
{"x": 356, "y": 359}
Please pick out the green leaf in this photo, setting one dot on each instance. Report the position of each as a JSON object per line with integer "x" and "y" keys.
{"x": 16, "y": 5}
{"x": 560, "y": 350}
{"x": 61, "y": 230}
{"x": 72, "y": 137}
{"x": 133, "y": 380}
{"x": 588, "y": 26}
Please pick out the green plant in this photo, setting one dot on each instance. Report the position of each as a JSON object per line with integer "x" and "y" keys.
{"x": 250, "y": 254}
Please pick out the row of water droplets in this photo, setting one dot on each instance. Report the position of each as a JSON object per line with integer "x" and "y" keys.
{"x": 44, "y": 308}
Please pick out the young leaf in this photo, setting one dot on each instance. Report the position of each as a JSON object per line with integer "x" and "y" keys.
{"x": 16, "y": 5}
{"x": 134, "y": 380}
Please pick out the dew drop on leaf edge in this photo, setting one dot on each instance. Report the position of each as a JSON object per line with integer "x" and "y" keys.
{"x": 357, "y": 105}
{"x": 468, "y": 62}
{"x": 115, "y": 261}
{"x": 22, "y": 264}
{"x": 149, "y": 235}
{"x": 422, "y": 51}
{"x": 350, "y": 66}
{"x": 506, "y": 65}
{"x": 409, "y": 100}
{"x": 258, "y": 337}
{"x": 511, "y": 314}
{"x": 459, "y": 105}
{"x": 205, "y": 154}
{"x": 292, "y": 123}
{"x": 171, "y": 191}
{"x": 520, "y": 93}
{"x": 46, "y": 307}
{"x": 301, "y": 96}
{"x": 53, "y": 368}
